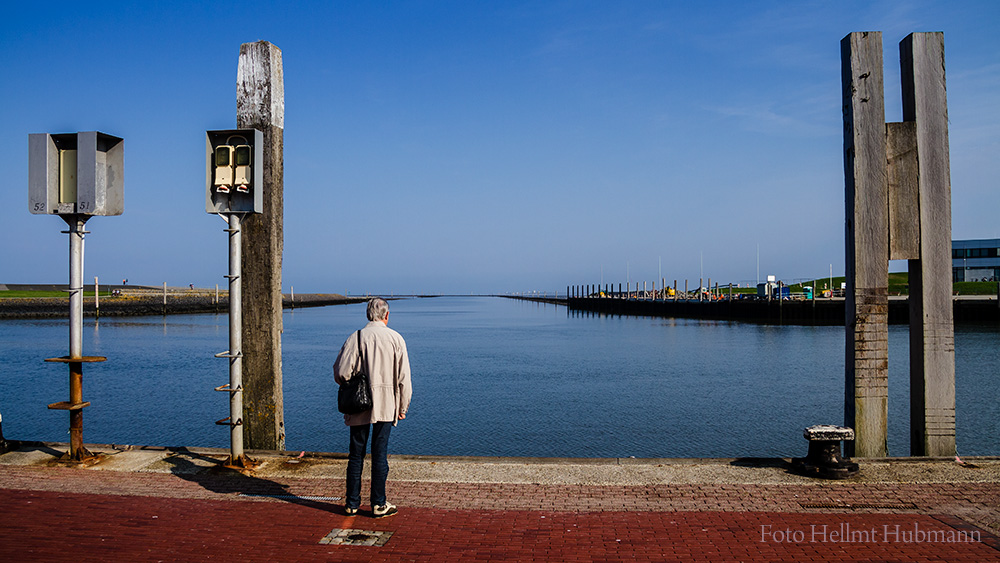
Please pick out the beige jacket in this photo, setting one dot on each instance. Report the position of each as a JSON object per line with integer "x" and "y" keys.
{"x": 388, "y": 370}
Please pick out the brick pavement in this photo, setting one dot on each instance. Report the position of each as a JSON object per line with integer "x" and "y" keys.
{"x": 58, "y": 513}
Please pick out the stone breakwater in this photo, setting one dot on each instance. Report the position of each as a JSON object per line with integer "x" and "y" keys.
{"x": 803, "y": 312}
{"x": 150, "y": 304}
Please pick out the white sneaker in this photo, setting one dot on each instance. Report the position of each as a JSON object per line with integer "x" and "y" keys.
{"x": 384, "y": 510}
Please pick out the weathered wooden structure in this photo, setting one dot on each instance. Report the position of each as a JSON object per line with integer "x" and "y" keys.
{"x": 898, "y": 206}
{"x": 260, "y": 104}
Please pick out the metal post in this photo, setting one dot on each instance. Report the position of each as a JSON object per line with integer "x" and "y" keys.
{"x": 76, "y": 233}
{"x": 75, "y": 359}
{"x": 235, "y": 338}
{"x": 97, "y": 299}
{"x": 235, "y": 352}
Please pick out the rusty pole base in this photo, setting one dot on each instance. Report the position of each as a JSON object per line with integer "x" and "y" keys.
{"x": 80, "y": 457}
{"x": 6, "y": 446}
{"x": 77, "y": 454}
{"x": 241, "y": 463}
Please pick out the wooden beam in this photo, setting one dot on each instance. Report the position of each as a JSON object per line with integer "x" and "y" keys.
{"x": 260, "y": 104}
{"x": 904, "y": 208}
{"x": 932, "y": 331}
{"x": 867, "y": 244}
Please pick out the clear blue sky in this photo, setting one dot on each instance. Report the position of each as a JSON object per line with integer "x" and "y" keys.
{"x": 461, "y": 147}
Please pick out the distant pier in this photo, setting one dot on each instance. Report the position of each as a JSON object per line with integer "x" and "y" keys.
{"x": 820, "y": 311}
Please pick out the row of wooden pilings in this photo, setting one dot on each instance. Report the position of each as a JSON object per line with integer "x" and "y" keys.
{"x": 649, "y": 292}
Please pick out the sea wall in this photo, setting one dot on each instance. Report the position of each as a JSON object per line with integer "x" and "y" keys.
{"x": 805, "y": 312}
{"x": 151, "y": 304}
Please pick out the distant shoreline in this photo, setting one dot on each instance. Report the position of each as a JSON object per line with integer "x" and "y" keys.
{"x": 151, "y": 303}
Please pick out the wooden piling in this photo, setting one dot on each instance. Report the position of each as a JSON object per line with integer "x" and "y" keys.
{"x": 932, "y": 333}
{"x": 260, "y": 104}
{"x": 867, "y": 252}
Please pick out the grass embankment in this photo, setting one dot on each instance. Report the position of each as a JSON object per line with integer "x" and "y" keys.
{"x": 11, "y": 294}
{"x": 899, "y": 284}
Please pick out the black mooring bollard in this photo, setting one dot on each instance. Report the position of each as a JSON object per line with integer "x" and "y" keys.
{"x": 823, "y": 459}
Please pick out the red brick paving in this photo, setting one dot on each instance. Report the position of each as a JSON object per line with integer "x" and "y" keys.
{"x": 62, "y": 514}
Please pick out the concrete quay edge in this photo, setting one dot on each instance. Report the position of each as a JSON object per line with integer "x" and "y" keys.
{"x": 518, "y": 470}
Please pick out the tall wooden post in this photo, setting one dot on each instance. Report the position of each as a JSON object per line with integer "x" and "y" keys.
{"x": 260, "y": 104}
{"x": 867, "y": 240}
{"x": 932, "y": 332}
{"x": 898, "y": 200}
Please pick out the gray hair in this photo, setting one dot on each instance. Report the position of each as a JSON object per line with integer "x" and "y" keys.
{"x": 377, "y": 309}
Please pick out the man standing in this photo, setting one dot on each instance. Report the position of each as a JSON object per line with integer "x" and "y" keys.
{"x": 383, "y": 352}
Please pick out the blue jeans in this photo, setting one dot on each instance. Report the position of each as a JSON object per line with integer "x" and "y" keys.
{"x": 356, "y": 462}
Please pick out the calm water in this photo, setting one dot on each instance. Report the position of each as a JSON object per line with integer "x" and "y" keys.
{"x": 491, "y": 377}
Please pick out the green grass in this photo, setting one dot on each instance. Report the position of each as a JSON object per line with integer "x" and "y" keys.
{"x": 8, "y": 294}
{"x": 899, "y": 284}
{"x": 976, "y": 288}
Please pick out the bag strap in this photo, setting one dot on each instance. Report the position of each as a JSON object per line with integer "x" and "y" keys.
{"x": 361, "y": 358}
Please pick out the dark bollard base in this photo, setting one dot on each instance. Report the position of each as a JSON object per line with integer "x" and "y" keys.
{"x": 824, "y": 461}
{"x": 842, "y": 470}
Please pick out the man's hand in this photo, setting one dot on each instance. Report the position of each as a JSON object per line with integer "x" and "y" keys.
{"x": 402, "y": 415}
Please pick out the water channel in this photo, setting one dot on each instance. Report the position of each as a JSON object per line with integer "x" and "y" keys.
{"x": 491, "y": 377}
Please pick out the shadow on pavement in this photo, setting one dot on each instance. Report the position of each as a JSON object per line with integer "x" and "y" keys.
{"x": 776, "y": 462}
{"x": 209, "y": 473}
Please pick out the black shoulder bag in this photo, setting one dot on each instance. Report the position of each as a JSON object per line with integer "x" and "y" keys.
{"x": 356, "y": 395}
